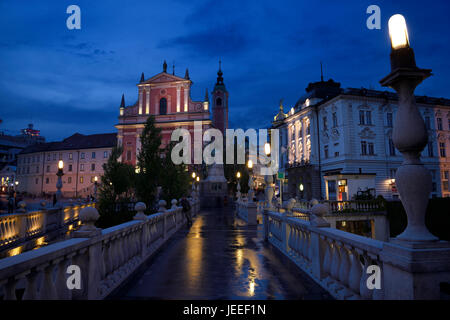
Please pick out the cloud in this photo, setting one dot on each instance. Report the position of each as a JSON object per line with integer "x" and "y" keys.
{"x": 213, "y": 42}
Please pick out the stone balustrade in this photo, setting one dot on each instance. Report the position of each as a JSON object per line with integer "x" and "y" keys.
{"x": 106, "y": 258}
{"x": 19, "y": 227}
{"x": 247, "y": 211}
{"x": 339, "y": 261}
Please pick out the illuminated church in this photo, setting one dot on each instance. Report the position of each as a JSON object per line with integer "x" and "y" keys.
{"x": 167, "y": 97}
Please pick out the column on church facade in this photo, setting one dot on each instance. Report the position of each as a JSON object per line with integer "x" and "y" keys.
{"x": 147, "y": 102}
{"x": 140, "y": 101}
{"x": 178, "y": 98}
{"x": 186, "y": 99}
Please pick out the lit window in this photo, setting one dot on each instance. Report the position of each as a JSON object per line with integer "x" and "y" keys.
{"x": 82, "y": 167}
{"x": 105, "y": 154}
{"x": 70, "y": 156}
{"x": 81, "y": 179}
{"x": 69, "y": 180}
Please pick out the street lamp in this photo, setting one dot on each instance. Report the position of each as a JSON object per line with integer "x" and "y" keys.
{"x": 250, "y": 180}
{"x": 193, "y": 175}
{"x": 267, "y": 149}
{"x": 59, "y": 184}
{"x": 238, "y": 194}
{"x": 95, "y": 187}
{"x": 409, "y": 134}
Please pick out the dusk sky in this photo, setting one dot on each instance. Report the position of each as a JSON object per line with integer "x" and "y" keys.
{"x": 66, "y": 81}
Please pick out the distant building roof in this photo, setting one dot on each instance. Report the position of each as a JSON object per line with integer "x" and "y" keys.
{"x": 75, "y": 142}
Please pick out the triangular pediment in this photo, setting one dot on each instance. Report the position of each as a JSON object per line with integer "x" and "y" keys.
{"x": 163, "y": 77}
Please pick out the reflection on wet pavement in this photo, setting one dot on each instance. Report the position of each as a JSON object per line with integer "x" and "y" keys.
{"x": 220, "y": 257}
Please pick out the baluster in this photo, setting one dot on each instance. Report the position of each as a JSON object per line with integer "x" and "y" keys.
{"x": 63, "y": 293}
{"x": 31, "y": 285}
{"x": 366, "y": 293}
{"x": 344, "y": 267}
{"x": 355, "y": 271}
{"x": 305, "y": 245}
{"x": 335, "y": 261}
{"x": 47, "y": 290}
{"x": 10, "y": 289}
{"x": 327, "y": 257}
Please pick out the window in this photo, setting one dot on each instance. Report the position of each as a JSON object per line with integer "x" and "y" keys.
{"x": 37, "y": 180}
{"x": 105, "y": 154}
{"x": 70, "y": 168}
{"x": 392, "y": 173}
{"x": 70, "y": 156}
{"x": 93, "y": 155}
{"x": 60, "y": 156}
{"x": 325, "y": 124}
{"x": 81, "y": 179}
{"x": 69, "y": 180}
{"x": 363, "y": 147}
{"x": 93, "y": 167}
{"x": 445, "y": 175}
{"x": 37, "y": 169}
{"x": 371, "y": 148}
{"x": 129, "y": 155}
{"x": 439, "y": 123}
{"x": 427, "y": 123}
{"x": 389, "y": 119}
{"x": 442, "y": 149}
{"x": 48, "y": 157}
{"x": 82, "y": 167}
{"x": 163, "y": 106}
{"x": 368, "y": 117}
{"x": 430, "y": 149}
{"x": 82, "y": 155}
{"x": 48, "y": 168}
{"x": 336, "y": 154}
{"x": 335, "y": 120}
{"x": 361, "y": 117}
{"x": 219, "y": 102}
{"x": 445, "y": 185}
{"x": 46, "y": 180}
{"x": 391, "y": 147}
{"x": 325, "y": 151}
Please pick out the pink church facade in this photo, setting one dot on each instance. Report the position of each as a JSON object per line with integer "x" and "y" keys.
{"x": 167, "y": 97}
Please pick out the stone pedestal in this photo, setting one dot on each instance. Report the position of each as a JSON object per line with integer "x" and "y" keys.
{"x": 213, "y": 189}
{"x": 415, "y": 271}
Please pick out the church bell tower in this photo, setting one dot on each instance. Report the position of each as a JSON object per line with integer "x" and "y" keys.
{"x": 220, "y": 103}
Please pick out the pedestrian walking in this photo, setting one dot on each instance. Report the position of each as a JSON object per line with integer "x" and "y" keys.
{"x": 187, "y": 210}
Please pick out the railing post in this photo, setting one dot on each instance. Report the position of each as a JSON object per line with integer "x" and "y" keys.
{"x": 318, "y": 248}
{"x": 91, "y": 261}
{"x": 265, "y": 217}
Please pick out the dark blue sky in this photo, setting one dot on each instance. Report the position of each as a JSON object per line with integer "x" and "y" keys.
{"x": 67, "y": 81}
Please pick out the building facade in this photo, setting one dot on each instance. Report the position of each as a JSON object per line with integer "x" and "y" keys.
{"x": 167, "y": 97}
{"x": 337, "y": 143}
{"x": 83, "y": 157}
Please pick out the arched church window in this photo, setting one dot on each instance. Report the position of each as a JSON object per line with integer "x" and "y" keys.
{"x": 218, "y": 102}
{"x": 163, "y": 106}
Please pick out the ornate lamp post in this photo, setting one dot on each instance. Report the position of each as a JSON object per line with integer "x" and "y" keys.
{"x": 409, "y": 135}
{"x": 238, "y": 193}
{"x": 269, "y": 179}
{"x": 59, "y": 184}
{"x": 95, "y": 187}
{"x": 250, "y": 181}
{"x": 197, "y": 193}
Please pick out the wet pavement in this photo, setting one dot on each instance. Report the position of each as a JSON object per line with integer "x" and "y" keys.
{"x": 219, "y": 257}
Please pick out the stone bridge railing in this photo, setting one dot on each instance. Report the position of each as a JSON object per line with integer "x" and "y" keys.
{"x": 337, "y": 207}
{"x": 342, "y": 262}
{"x": 20, "y": 227}
{"x": 106, "y": 258}
{"x": 247, "y": 211}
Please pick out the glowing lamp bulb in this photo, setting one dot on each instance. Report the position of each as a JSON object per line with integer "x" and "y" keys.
{"x": 198, "y": 179}
{"x": 95, "y": 179}
{"x": 60, "y": 164}
{"x": 301, "y": 187}
{"x": 193, "y": 175}
{"x": 267, "y": 148}
{"x": 250, "y": 164}
{"x": 238, "y": 174}
{"x": 398, "y": 32}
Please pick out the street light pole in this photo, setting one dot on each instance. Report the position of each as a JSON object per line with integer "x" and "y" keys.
{"x": 59, "y": 183}
{"x": 250, "y": 181}
{"x": 413, "y": 180}
{"x": 95, "y": 187}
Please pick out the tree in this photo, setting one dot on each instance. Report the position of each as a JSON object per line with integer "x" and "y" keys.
{"x": 116, "y": 188}
{"x": 149, "y": 163}
{"x": 175, "y": 181}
